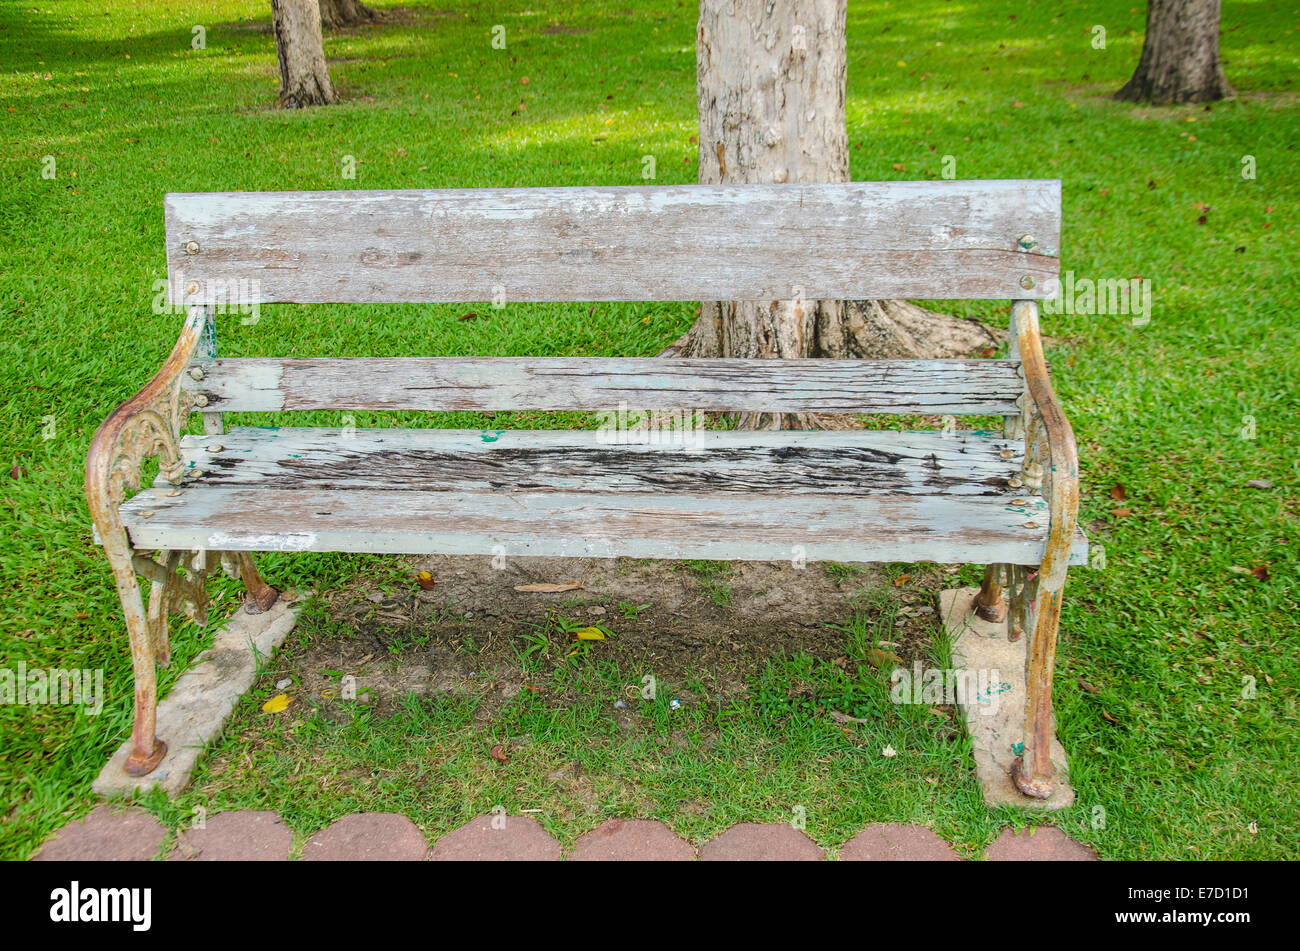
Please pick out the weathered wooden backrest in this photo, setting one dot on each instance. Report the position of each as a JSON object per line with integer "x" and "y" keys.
{"x": 856, "y": 240}
{"x": 850, "y": 241}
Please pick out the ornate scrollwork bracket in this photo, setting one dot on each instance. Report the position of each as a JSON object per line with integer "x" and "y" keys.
{"x": 172, "y": 593}
{"x": 146, "y": 426}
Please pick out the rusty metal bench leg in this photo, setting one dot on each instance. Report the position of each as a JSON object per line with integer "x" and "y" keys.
{"x": 1033, "y": 770}
{"x": 260, "y": 594}
{"x": 990, "y": 605}
{"x": 147, "y": 751}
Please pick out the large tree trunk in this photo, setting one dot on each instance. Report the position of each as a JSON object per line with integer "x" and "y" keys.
{"x": 337, "y": 13}
{"x": 1180, "y": 55}
{"x": 771, "y": 86}
{"x": 300, "y": 49}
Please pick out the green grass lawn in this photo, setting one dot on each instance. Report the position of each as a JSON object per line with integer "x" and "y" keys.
{"x": 1198, "y": 597}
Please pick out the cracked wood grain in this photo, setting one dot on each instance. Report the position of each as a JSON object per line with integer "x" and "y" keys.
{"x": 937, "y": 387}
{"x": 846, "y": 463}
{"x": 849, "y": 240}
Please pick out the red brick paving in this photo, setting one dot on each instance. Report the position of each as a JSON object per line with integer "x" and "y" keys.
{"x": 111, "y": 834}
{"x": 761, "y": 842}
{"x": 885, "y": 842}
{"x": 518, "y": 839}
{"x": 368, "y": 836}
{"x": 1038, "y": 844}
{"x": 106, "y": 835}
{"x": 243, "y": 836}
{"x": 631, "y": 840}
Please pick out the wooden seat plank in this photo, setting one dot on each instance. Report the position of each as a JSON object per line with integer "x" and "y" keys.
{"x": 723, "y": 526}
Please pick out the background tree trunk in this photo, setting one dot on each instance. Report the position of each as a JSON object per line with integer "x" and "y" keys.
{"x": 337, "y": 13}
{"x": 1180, "y": 55}
{"x": 300, "y": 49}
{"x": 771, "y": 87}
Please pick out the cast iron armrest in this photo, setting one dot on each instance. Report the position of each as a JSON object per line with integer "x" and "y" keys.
{"x": 1061, "y": 485}
{"x": 145, "y": 426}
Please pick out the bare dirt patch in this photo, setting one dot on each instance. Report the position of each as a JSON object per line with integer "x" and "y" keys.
{"x": 711, "y": 624}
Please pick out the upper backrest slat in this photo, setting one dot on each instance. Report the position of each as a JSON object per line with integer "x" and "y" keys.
{"x": 853, "y": 241}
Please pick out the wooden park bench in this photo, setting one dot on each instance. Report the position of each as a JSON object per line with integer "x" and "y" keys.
{"x": 1004, "y": 499}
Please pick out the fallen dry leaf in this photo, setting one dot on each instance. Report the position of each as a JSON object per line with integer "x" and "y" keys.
{"x": 879, "y": 658}
{"x": 499, "y": 754}
{"x": 277, "y": 704}
{"x": 549, "y": 587}
{"x": 1118, "y": 493}
{"x": 845, "y": 718}
{"x": 589, "y": 634}
{"x": 424, "y": 580}
{"x": 902, "y": 579}
{"x": 1260, "y": 572}
{"x": 1084, "y": 685}
{"x": 1108, "y": 718}
{"x": 1120, "y": 513}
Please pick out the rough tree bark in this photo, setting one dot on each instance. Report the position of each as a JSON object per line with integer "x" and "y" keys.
{"x": 337, "y": 13}
{"x": 1180, "y": 55}
{"x": 771, "y": 87}
{"x": 300, "y": 49}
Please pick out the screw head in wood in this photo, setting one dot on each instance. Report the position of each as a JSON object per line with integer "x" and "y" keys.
{"x": 192, "y": 248}
{"x": 1027, "y": 282}
{"x": 201, "y": 400}
{"x": 214, "y": 448}
{"x": 1027, "y": 241}
{"x": 196, "y": 373}
{"x": 191, "y": 288}
{"x": 1015, "y": 482}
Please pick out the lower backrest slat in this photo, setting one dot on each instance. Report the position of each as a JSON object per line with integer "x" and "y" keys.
{"x": 929, "y": 387}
